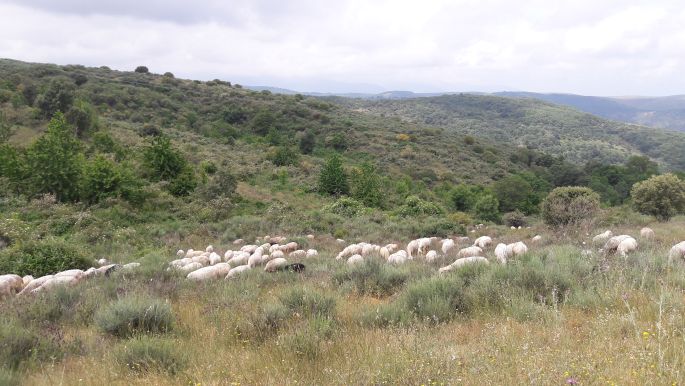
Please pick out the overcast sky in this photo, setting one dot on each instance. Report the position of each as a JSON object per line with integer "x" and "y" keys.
{"x": 597, "y": 47}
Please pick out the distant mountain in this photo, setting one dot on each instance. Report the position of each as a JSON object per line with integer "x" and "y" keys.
{"x": 665, "y": 112}
{"x": 383, "y": 95}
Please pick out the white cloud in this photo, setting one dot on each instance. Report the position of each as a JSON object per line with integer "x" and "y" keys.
{"x": 611, "y": 47}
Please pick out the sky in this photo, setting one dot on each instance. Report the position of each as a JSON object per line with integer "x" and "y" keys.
{"x": 591, "y": 47}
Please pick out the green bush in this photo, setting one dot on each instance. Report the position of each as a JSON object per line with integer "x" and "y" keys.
{"x": 569, "y": 205}
{"x": 284, "y": 156}
{"x": 333, "y": 179}
{"x": 660, "y": 196}
{"x": 8, "y": 377}
{"x": 366, "y": 185}
{"x": 345, "y": 206}
{"x": 142, "y": 70}
{"x": 161, "y": 160}
{"x": 44, "y": 257}
{"x": 306, "y": 342}
{"x": 373, "y": 277}
{"x": 83, "y": 117}
{"x": 101, "y": 179}
{"x": 57, "y": 96}
{"x": 146, "y": 354}
{"x": 487, "y": 208}
{"x": 135, "y": 315}
{"x": 184, "y": 183}
{"x": 18, "y": 344}
{"x": 515, "y": 219}
{"x": 414, "y": 206}
{"x": 307, "y": 301}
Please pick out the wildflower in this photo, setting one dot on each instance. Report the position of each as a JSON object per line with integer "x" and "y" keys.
{"x": 571, "y": 381}
{"x": 645, "y": 334}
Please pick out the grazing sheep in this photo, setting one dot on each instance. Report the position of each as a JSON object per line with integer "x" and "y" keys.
{"x": 209, "y": 249}
{"x": 191, "y": 253}
{"x": 312, "y": 253}
{"x": 255, "y": 259}
{"x": 384, "y": 253}
{"x": 251, "y": 248}
{"x": 202, "y": 259}
{"x": 355, "y": 259}
{"x": 28, "y": 278}
{"x": 501, "y": 253}
{"x": 470, "y": 251}
{"x": 462, "y": 262}
{"x": 190, "y": 267}
{"x": 463, "y": 240}
{"x": 277, "y": 254}
{"x": 536, "y": 239}
{"x": 602, "y": 237}
{"x": 627, "y": 245}
{"x": 57, "y": 281}
{"x": 180, "y": 253}
{"x": 367, "y": 249}
{"x": 237, "y": 270}
{"x": 677, "y": 251}
{"x": 412, "y": 247}
{"x": 238, "y": 242}
{"x": 647, "y": 233}
{"x": 340, "y": 241}
{"x": 35, "y": 283}
{"x": 90, "y": 272}
{"x": 70, "y": 272}
{"x": 102, "y": 262}
{"x": 209, "y": 273}
{"x": 516, "y": 249}
{"x": 295, "y": 267}
{"x": 310, "y": 237}
{"x": 612, "y": 244}
{"x": 424, "y": 245}
{"x": 275, "y": 265}
{"x": 431, "y": 256}
{"x": 130, "y": 266}
{"x": 240, "y": 258}
{"x": 483, "y": 241}
{"x": 299, "y": 254}
{"x": 227, "y": 255}
{"x": 447, "y": 245}
{"x": 10, "y": 283}
{"x": 214, "y": 258}
{"x": 397, "y": 258}
{"x": 290, "y": 247}
{"x": 392, "y": 248}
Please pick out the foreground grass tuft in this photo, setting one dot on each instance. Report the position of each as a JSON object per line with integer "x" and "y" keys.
{"x": 146, "y": 354}
{"x": 134, "y": 315}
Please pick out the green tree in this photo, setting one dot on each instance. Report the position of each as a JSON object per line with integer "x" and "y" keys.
{"x": 83, "y": 117}
{"x": 487, "y": 208}
{"x": 142, "y": 70}
{"x": 307, "y": 143}
{"x": 6, "y": 130}
{"x": 333, "y": 179}
{"x": 463, "y": 198}
{"x": 263, "y": 122}
{"x": 284, "y": 156}
{"x": 569, "y": 205}
{"x": 513, "y": 192}
{"x": 101, "y": 179}
{"x": 161, "y": 160}
{"x": 58, "y": 95}
{"x": 338, "y": 142}
{"x": 184, "y": 183}
{"x": 366, "y": 185}
{"x": 660, "y": 196}
{"x": 55, "y": 161}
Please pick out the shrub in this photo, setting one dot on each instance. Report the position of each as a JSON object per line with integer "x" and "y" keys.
{"x": 161, "y": 160}
{"x": 515, "y": 219}
{"x": 373, "y": 278}
{"x": 338, "y": 141}
{"x": 660, "y": 196}
{"x": 8, "y": 378}
{"x": 6, "y": 130}
{"x": 307, "y": 143}
{"x": 569, "y": 205}
{"x": 135, "y": 315}
{"x": 39, "y": 258}
{"x": 184, "y": 183}
{"x": 83, "y": 117}
{"x": 366, "y": 185}
{"x": 57, "y": 96}
{"x": 414, "y": 206}
{"x": 345, "y": 206}
{"x": 221, "y": 184}
{"x": 146, "y": 354}
{"x": 307, "y": 342}
{"x": 333, "y": 179}
{"x": 17, "y": 344}
{"x": 283, "y": 156}
{"x": 168, "y": 75}
{"x": 307, "y": 301}
{"x": 142, "y": 70}
{"x": 101, "y": 179}
{"x": 487, "y": 208}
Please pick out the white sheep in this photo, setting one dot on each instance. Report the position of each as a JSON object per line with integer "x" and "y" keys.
{"x": 483, "y": 241}
{"x": 227, "y": 255}
{"x": 310, "y": 237}
{"x": 209, "y": 273}
{"x": 431, "y": 256}
{"x": 28, "y": 278}
{"x": 516, "y": 249}
{"x": 103, "y": 261}
{"x": 214, "y": 258}
{"x": 190, "y": 267}
{"x": 536, "y": 239}
{"x": 470, "y": 251}
{"x": 180, "y": 253}
{"x": 312, "y": 253}
{"x": 250, "y": 248}
{"x": 447, "y": 245}
{"x": 612, "y": 244}
{"x": 501, "y": 253}
{"x": 10, "y": 283}
{"x": 240, "y": 258}
{"x": 647, "y": 233}
{"x": 209, "y": 249}
{"x": 392, "y": 248}
{"x": 277, "y": 254}
{"x": 202, "y": 259}
{"x": 412, "y": 247}
{"x": 256, "y": 258}
{"x": 384, "y": 253}
{"x": 238, "y": 241}
{"x": 355, "y": 259}
{"x": 602, "y": 237}
{"x": 130, "y": 266}
{"x": 275, "y": 264}
{"x": 298, "y": 254}
{"x": 57, "y": 281}
{"x": 237, "y": 270}
{"x": 289, "y": 247}
{"x": 677, "y": 251}
{"x": 462, "y": 262}
{"x": 35, "y": 283}
{"x": 424, "y": 245}
{"x": 397, "y": 258}
{"x": 627, "y": 245}
{"x": 340, "y": 241}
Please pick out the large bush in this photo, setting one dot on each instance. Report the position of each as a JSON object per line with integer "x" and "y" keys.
{"x": 57, "y": 96}
{"x": 415, "y": 206}
{"x": 660, "y": 196}
{"x": 39, "y": 258}
{"x": 569, "y": 205}
{"x": 333, "y": 179}
{"x": 135, "y": 315}
{"x": 366, "y": 185}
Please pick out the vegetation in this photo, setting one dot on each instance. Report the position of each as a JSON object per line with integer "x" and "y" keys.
{"x": 660, "y": 196}
{"x": 570, "y": 206}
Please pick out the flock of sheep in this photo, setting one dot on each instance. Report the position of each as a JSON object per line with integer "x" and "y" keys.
{"x": 274, "y": 252}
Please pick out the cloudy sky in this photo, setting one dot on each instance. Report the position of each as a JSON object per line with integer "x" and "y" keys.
{"x": 597, "y": 47}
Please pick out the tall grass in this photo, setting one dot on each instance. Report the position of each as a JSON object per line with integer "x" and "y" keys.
{"x": 135, "y": 315}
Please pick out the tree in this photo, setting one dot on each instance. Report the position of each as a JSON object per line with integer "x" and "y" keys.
{"x": 55, "y": 161}
{"x": 220, "y": 184}
{"x": 569, "y": 205}
{"x": 142, "y": 70}
{"x": 284, "y": 156}
{"x": 660, "y": 196}
{"x": 513, "y": 193}
{"x": 463, "y": 197}
{"x": 263, "y": 122}
{"x": 6, "y": 130}
{"x": 307, "y": 143}
{"x": 338, "y": 142}
{"x": 82, "y": 115}
{"x": 487, "y": 208}
{"x": 58, "y": 95}
{"x": 161, "y": 161}
{"x": 333, "y": 179}
{"x": 101, "y": 179}
{"x": 366, "y": 186}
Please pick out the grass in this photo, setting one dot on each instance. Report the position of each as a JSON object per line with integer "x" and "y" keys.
{"x": 135, "y": 315}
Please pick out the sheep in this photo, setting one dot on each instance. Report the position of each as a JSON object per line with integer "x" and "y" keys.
{"x": 612, "y": 244}
{"x": 211, "y": 272}
{"x": 190, "y": 267}
{"x": 355, "y": 259}
{"x": 209, "y": 249}
{"x": 536, "y": 239}
{"x": 310, "y": 237}
{"x": 255, "y": 259}
{"x": 277, "y": 254}
{"x": 90, "y": 272}
{"x": 249, "y": 248}
{"x": 647, "y": 233}
{"x": 299, "y": 254}
{"x": 470, "y": 251}
{"x": 214, "y": 258}
{"x": 35, "y": 283}
{"x": 399, "y": 257}
{"x": 237, "y": 270}
{"x": 602, "y": 237}
{"x": 446, "y": 246}
{"x": 463, "y": 240}
{"x": 28, "y": 278}
{"x": 239, "y": 258}
{"x": 291, "y": 246}
{"x": 424, "y": 244}
{"x": 384, "y": 252}
{"x": 367, "y": 249}
{"x": 462, "y": 262}
{"x": 501, "y": 253}
{"x": 516, "y": 249}
{"x": 202, "y": 259}
{"x": 431, "y": 256}
{"x": 57, "y": 281}
{"x": 103, "y": 261}
{"x": 227, "y": 255}
{"x": 191, "y": 253}
{"x": 107, "y": 269}
{"x": 275, "y": 265}
{"x": 312, "y": 253}
{"x": 130, "y": 266}
{"x": 483, "y": 241}
{"x": 238, "y": 241}
{"x": 392, "y": 248}
{"x": 70, "y": 272}
{"x": 677, "y": 251}
{"x": 627, "y": 245}
{"x": 340, "y": 241}
{"x": 10, "y": 283}
{"x": 412, "y": 247}
{"x": 180, "y": 253}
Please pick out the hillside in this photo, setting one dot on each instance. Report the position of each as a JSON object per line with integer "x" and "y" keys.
{"x": 578, "y": 136}
{"x": 663, "y": 112}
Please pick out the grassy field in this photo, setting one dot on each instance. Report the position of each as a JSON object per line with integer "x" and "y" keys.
{"x": 552, "y": 316}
